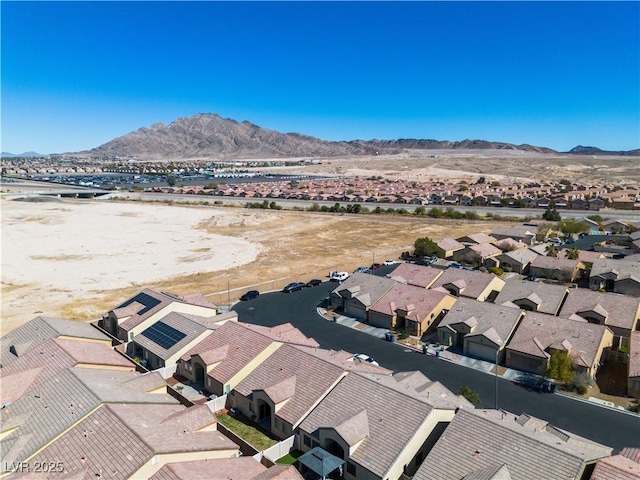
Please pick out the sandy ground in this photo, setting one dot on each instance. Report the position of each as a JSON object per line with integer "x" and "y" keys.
{"x": 78, "y": 259}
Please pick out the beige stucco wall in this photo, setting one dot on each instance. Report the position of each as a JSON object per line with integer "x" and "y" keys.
{"x": 495, "y": 284}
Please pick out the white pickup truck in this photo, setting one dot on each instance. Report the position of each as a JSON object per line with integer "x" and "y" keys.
{"x": 335, "y": 276}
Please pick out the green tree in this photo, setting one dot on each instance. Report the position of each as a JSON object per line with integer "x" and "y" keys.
{"x": 552, "y": 251}
{"x": 421, "y": 210}
{"x": 570, "y": 227}
{"x": 559, "y": 366}
{"x": 425, "y": 246}
{"x": 573, "y": 253}
{"x": 171, "y": 180}
{"x": 551, "y": 214}
{"x": 469, "y": 394}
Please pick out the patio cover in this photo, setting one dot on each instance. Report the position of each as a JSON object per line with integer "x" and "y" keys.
{"x": 320, "y": 461}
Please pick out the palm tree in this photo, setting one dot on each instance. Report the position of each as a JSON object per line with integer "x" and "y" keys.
{"x": 552, "y": 251}
{"x": 572, "y": 253}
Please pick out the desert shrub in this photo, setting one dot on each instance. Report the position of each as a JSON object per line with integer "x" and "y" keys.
{"x": 469, "y": 394}
{"x": 495, "y": 270}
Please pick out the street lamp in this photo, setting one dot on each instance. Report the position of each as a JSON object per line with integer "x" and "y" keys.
{"x": 373, "y": 259}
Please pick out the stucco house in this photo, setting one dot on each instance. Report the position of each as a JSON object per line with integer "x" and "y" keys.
{"x": 613, "y": 275}
{"x": 412, "y": 274}
{"x": 524, "y": 234}
{"x": 479, "y": 329}
{"x": 471, "y": 284}
{"x": 476, "y": 238}
{"x": 517, "y": 261}
{"x": 477, "y": 254}
{"x": 539, "y": 334}
{"x": 353, "y": 422}
{"x": 446, "y": 247}
{"x": 495, "y": 444}
{"x": 556, "y": 268}
{"x": 533, "y": 296}
{"x": 409, "y": 307}
{"x": 359, "y": 292}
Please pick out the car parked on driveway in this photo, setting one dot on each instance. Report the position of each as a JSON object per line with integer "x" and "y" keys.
{"x": 250, "y": 295}
{"x": 365, "y": 358}
{"x": 314, "y": 283}
{"x": 361, "y": 270}
{"x": 338, "y": 276}
{"x": 292, "y": 287}
{"x": 389, "y": 262}
{"x": 375, "y": 266}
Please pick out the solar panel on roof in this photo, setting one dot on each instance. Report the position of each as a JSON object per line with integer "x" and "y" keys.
{"x": 144, "y": 299}
{"x": 164, "y": 335}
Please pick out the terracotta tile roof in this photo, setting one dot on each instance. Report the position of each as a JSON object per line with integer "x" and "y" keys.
{"x": 539, "y": 332}
{"x": 616, "y": 467}
{"x": 489, "y": 439}
{"x": 447, "y": 244}
{"x": 488, "y": 316}
{"x": 485, "y": 250}
{"x": 476, "y": 282}
{"x": 279, "y": 472}
{"x": 387, "y": 435}
{"x": 242, "y": 468}
{"x": 39, "y": 330}
{"x": 418, "y": 275}
{"x": 286, "y": 333}
{"x": 622, "y": 311}
{"x": 15, "y": 385}
{"x": 416, "y": 300}
{"x": 551, "y": 295}
{"x": 313, "y": 378}
{"x": 345, "y": 361}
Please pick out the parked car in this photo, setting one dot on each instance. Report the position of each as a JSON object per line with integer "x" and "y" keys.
{"x": 250, "y": 295}
{"x": 456, "y": 265}
{"x": 374, "y": 266}
{"x": 292, "y": 287}
{"x": 314, "y": 283}
{"x": 361, "y": 270}
{"x": 426, "y": 261}
{"x": 583, "y": 234}
{"x": 389, "y": 262}
{"x": 338, "y": 276}
{"x": 365, "y": 358}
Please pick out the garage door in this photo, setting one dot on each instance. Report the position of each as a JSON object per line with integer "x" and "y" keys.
{"x": 485, "y": 352}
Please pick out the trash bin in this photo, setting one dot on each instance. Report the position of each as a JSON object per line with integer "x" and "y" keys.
{"x": 553, "y": 388}
{"x": 335, "y": 319}
{"x": 437, "y": 353}
{"x": 425, "y": 349}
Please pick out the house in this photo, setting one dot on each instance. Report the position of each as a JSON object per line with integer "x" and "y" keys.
{"x": 616, "y": 226}
{"x": 596, "y": 204}
{"x": 41, "y": 329}
{"x": 509, "y": 244}
{"x": 633, "y": 366}
{"x": 471, "y": 284}
{"x": 517, "y": 261}
{"x": 624, "y": 466}
{"x": 143, "y": 439}
{"x": 479, "y": 329}
{"x": 579, "y": 204}
{"x": 495, "y": 444}
{"x": 556, "y": 268}
{"x": 532, "y": 296}
{"x": 477, "y": 254}
{"x": 417, "y": 275}
{"x": 407, "y": 307}
{"x": 224, "y": 358}
{"x": 539, "y": 335}
{"x": 353, "y": 422}
{"x": 619, "y": 276}
{"x": 36, "y": 419}
{"x": 476, "y": 238}
{"x": 359, "y": 292}
{"x": 280, "y": 392}
{"x": 522, "y": 234}
{"x": 145, "y": 308}
{"x": 447, "y": 246}
{"x": 621, "y": 313}
{"x": 584, "y": 256}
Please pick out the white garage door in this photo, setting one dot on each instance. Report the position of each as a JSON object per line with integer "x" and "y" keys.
{"x": 486, "y": 352}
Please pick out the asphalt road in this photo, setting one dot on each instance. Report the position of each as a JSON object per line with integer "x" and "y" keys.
{"x": 609, "y": 427}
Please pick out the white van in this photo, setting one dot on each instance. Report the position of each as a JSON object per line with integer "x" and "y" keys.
{"x": 338, "y": 276}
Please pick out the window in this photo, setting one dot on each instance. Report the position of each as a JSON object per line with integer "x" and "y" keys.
{"x": 306, "y": 440}
{"x": 351, "y": 468}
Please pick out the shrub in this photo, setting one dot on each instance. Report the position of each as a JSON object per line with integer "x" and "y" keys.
{"x": 496, "y": 271}
{"x": 469, "y": 394}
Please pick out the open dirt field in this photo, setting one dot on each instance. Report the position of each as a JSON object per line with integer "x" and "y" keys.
{"x": 78, "y": 259}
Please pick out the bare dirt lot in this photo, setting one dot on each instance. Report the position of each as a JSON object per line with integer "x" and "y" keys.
{"x": 78, "y": 259}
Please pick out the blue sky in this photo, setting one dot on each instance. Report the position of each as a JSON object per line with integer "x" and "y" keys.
{"x": 78, "y": 74}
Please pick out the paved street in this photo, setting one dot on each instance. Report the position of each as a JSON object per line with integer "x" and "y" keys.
{"x": 609, "y": 427}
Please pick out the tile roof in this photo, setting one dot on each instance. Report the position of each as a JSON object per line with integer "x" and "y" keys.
{"x": 476, "y": 282}
{"x": 183, "y": 324}
{"x": 412, "y": 274}
{"x": 242, "y": 468}
{"x": 485, "y": 250}
{"x": 40, "y": 329}
{"x": 522, "y": 256}
{"x": 623, "y": 311}
{"x": 616, "y": 467}
{"x": 478, "y": 238}
{"x": 556, "y": 263}
{"x": 488, "y": 316}
{"x": 510, "y": 243}
{"x": 624, "y": 268}
{"x": 551, "y": 295}
{"x": 313, "y": 378}
{"x": 345, "y": 360}
{"x": 417, "y": 301}
{"x": 388, "y": 434}
{"x": 285, "y": 333}
{"x": 538, "y": 332}
{"x": 368, "y": 288}
{"x": 447, "y": 244}
{"x": 279, "y": 472}
{"x": 477, "y": 440}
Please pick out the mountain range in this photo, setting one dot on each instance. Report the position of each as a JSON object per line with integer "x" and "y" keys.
{"x": 209, "y": 135}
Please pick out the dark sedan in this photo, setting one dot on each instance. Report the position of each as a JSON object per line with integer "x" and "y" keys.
{"x": 314, "y": 283}
{"x": 251, "y": 294}
{"x": 292, "y": 287}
